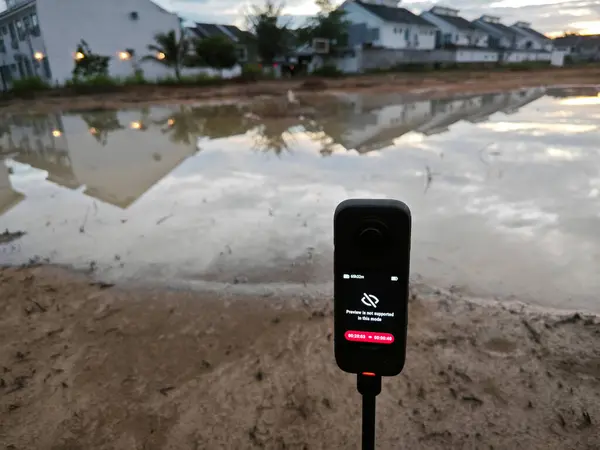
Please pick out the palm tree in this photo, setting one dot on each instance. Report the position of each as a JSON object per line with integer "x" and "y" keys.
{"x": 183, "y": 126}
{"x": 170, "y": 50}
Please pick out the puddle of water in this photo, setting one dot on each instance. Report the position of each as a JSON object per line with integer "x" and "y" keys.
{"x": 504, "y": 188}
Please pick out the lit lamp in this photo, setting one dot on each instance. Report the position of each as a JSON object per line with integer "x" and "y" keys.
{"x": 124, "y": 56}
{"x": 94, "y": 131}
{"x": 79, "y": 56}
{"x": 38, "y": 56}
{"x": 160, "y": 56}
{"x": 56, "y": 133}
{"x": 171, "y": 122}
{"x": 136, "y": 125}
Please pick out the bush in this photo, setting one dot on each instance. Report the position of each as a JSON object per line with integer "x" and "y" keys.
{"x": 25, "y": 86}
{"x": 251, "y": 72}
{"x": 93, "y": 84}
{"x": 136, "y": 79}
{"x": 328, "y": 71}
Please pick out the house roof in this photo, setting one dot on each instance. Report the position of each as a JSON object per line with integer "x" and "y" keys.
{"x": 456, "y": 21}
{"x": 394, "y": 14}
{"x": 205, "y": 30}
{"x": 537, "y": 34}
{"x": 498, "y": 28}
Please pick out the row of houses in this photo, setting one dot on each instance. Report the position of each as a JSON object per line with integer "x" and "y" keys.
{"x": 76, "y": 151}
{"x": 38, "y": 38}
{"x": 384, "y": 34}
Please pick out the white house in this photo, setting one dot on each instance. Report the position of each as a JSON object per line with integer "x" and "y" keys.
{"x": 515, "y": 45}
{"x": 22, "y": 48}
{"x": 455, "y": 30}
{"x": 398, "y": 27}
{"x": 537, "y": 39}
{"x": 40, "y": 37}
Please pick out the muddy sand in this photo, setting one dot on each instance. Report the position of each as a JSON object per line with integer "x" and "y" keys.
{"x": 86, "y": 365}
{"x": 428, "y": 83}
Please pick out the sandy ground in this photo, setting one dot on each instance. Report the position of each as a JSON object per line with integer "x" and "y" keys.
{"x": 84, "y": 365}
{"x": 428, "y": 83}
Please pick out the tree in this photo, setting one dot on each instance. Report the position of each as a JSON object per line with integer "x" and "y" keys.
{"x": 100, "y": 124}
{"x": 330, "y": 23}
{"x": 272, "y": 37}
{"x": 88, "y": 64}
{"x": 170, "y": 51}
{"x": 217, "y": 52}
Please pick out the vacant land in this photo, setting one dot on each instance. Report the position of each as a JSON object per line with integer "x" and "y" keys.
{"x": 427, "y": 83}
{"x": 85, "y": 365}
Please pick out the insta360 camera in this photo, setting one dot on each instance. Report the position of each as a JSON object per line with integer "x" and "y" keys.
{"x": 371, "y": 270}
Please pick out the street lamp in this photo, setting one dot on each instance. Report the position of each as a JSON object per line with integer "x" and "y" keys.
{"x": 38, "y": 56}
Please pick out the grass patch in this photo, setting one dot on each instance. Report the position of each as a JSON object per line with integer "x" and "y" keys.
{"x": 28, "y": 87}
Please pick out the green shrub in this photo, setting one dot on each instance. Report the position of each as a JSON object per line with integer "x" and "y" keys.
{"x": 207, "y": 80}
{"x": 93, "y": 84}
{"x": 29, "y": 85}
{"x": 168, "y": 81}
{"x": 251, "y": 72}
{"x": 328, "y": 71}
{"x": 136, "y": 79}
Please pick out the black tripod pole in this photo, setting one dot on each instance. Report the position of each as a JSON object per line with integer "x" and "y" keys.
{"x": 369, "y": 386}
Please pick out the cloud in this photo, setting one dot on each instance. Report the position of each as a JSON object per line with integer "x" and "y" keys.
{"x": 545, "y": 15}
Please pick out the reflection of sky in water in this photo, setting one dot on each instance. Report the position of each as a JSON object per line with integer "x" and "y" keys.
{"x": 505, "y": 193}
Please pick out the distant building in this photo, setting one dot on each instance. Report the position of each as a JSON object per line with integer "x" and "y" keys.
{"x": 39, "y": 38}
{"x": 398, "y": 28}
{"x": 581, "y": 48}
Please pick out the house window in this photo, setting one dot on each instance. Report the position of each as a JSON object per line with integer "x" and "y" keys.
{"x": 13, "y": 33}
{"x": 28, "y": 69}
{"x": 406, "y": 35}
{"x": 26, "y": 22}
{"x": 35, "y": 25}
{"x": 2, "y": 46}
{"x": 4, "y": 30}
{"x": 46, "y": 66}
{"x": 20, "y": 30}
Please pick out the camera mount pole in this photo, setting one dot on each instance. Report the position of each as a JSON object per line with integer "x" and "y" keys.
{"x": 369, "y": 386}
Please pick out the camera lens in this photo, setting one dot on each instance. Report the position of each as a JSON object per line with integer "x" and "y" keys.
{"x": 372, "y": 236}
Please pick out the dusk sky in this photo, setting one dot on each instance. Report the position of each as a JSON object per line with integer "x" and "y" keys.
{"x": 549, "y": 16}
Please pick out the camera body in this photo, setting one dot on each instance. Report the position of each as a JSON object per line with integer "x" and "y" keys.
{"x": 371, "y": 272}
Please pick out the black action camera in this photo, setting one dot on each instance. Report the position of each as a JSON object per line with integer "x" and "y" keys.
{"x": 371, "y": 270}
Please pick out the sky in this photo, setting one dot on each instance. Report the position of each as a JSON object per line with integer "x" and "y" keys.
{"x": 547, "y": 16}
{"x": 552, "y": 17}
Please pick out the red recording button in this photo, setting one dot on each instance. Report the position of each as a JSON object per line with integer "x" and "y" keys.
{"x": 369, "y": 337}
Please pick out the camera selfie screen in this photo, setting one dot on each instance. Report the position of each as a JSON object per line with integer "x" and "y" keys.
{"x": 371, "y": 305}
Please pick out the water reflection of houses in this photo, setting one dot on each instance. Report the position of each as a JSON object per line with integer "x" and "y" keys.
{"x": 115, "y": 166}
{"x": 39, "y": 141}
{"x": 374, "y": 126}
{"x": 8, "y": 196}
